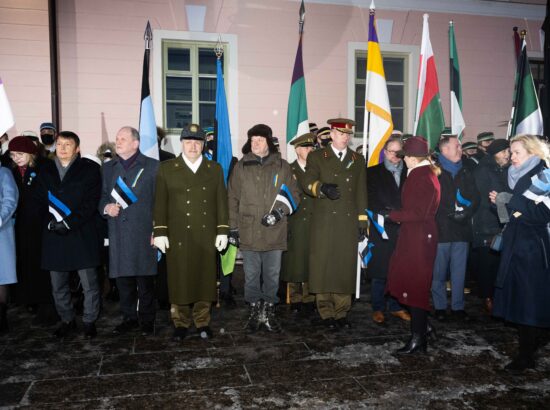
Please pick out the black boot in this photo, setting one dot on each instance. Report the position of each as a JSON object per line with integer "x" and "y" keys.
{"x": 528, "y": 343}
{"x": 253, "y": 322}
{"x": 268, "y": 316}
{"x": 3, "y": 318}
{"x": 417, "y": 343}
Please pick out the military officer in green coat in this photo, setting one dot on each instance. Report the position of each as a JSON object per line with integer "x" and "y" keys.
{"x": 336, "y": 177}
{"x": 295, "y": 264}
{"x": 190, "y": 223}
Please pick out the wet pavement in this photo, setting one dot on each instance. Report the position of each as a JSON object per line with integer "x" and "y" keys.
{"x": 302, "y": 367}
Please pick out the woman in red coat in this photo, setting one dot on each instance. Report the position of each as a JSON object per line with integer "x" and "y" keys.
{"x": 411, "y": 265}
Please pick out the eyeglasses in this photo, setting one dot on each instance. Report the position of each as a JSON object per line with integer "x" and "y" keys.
{"x": 391, "y": 151}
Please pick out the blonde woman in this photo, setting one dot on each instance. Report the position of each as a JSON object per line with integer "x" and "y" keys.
{"x": 523, "y": 281}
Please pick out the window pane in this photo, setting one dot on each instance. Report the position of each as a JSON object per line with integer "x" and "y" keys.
{"x": 360, "y": 95}
{"x": 178, "y": 115}
{"x": 359, "y": 117}
{"x": 207, "y": 61}
{"x": 397, "y": 117}
{"x": 361, "y": 68}
{"x": 207, "y": 114}
{"x": 178, "y": 88}
{"x": 207, "y": 89}
{"x": 393, "y": 68}
{"x": 178, "y": 59}
{"x": 395, "y": 93}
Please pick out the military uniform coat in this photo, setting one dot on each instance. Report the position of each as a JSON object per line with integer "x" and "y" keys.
{"x": 80, "y": 191}
{"x": 130, "y": 250}
{"x": 190, "y": 209}
{"x": 411, "y": 265}
{"x": 335, "y": 223}
{"x": 295, "y": 262}
{"x": 384, "y": 194}
{"x": 8, "y": 203}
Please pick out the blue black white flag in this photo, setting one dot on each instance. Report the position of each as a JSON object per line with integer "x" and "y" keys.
{"x": 122, "y": 194}
{"x": 285, "y": 197}
{"x": 57, "y": 208}
{"x": 461, "y": 201}
{"x": 378, "y": 222}
{"x": 147, "y": 126}
{"x": 539, "y": 191}
{"x": 364, "y": 250}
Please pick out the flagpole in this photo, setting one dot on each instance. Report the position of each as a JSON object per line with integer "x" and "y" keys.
{"x": 519, "y": 78}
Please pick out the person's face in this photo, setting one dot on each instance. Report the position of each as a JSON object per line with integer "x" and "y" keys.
{"x": 410, "y": 161}
{"x": 502, "y": 158}
{"x": 519, "y": 154}
{"x": 390, "y": 153}
{"x": 340, "y": 139}
{"x": 21, "y": 159}
{"x": 452, "y": 150}
{"x": 303, "y": 152}
{"x": 47, "y": 136}
{"x": 125, "y": 145}
{"x": 258, "y": 145}
{"x": 66, "y": 149}
{"x": 470, "y": 151}
{"x": 192, "y": 149}
{"x": 484, "y": 144}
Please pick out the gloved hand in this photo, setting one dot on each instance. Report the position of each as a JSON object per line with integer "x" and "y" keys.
{"x": 221, "y": 242}
{"x": 460, "y": 217}
{"x": 362, "y": 233}
{"x": 234, "y": 237}
{"x": 161, "y": 242}
{"x": 331, "y": 191}
{"x": 59, "y": 228}
{"x": 273, "y": 217}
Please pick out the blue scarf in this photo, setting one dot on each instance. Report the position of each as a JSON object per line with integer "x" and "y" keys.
{"x": 395, "y": 170}
{"x": 514, "y": 174}
{"x": 452, "y": 167}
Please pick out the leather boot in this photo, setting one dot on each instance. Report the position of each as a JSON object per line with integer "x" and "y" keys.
{"x": 417, "y": 343}
{"x": 3, "y": 318}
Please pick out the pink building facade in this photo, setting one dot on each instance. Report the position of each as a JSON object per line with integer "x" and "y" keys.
{"x": 101, "y": 52}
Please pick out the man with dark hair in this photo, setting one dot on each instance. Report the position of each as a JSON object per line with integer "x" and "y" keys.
{"x": 384, "y": 192}
{"x": 126, "y": 202}
{"x": 258, "y": 221}
{"x": 70, "y": 188}
{"x": 459, "y": 201}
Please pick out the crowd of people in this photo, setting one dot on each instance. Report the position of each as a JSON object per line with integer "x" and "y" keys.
{"x": 158, "y": 228}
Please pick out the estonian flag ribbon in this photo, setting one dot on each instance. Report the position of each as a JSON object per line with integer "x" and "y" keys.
{"x": 285, "y": 197}
{"x": 539, "y": 190}
{"x": 364, "y": 250}
{"x": 378, "y": 222}
{"x": 122, "y": 194}
{"x": 461, "y": 200}
{"x": 57, "y": 208}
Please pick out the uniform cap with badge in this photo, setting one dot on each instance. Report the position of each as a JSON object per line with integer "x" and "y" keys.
{"x": 304, "y": 140}
{"x": 344, "y": 125}
{"x": 485, "y": 136}
{"x": 192, "y": 132}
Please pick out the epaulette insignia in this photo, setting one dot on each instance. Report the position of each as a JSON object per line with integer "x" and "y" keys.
{"x": 325, "y": 154}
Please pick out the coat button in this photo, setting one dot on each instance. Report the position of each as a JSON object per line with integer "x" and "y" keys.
{"x": 405, "y": 294}
{"x": 188, "y": 226}
{"x": 429, "y": 235}
{"x": 204, "y": 226}
{"x": 188, "y": 189}
{"x": 188, "y": 202}
{"x": 179, "y": 243}
{"x": 204, "y": 188}
{"x": 188, "y": 214}
{"x": 204, "y": 213}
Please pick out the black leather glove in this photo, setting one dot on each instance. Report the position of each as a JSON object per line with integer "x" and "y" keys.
{"x": 460, "y": 217}
{"x": 362, "y": 233}
{"x": 58, "y": 227}
{"x": 331, "y": 191}
{"x": 233, "y": 237}
{"x": 272, "y": 218}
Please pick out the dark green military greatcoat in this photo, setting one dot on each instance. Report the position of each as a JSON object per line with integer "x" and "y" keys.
{"x": 191, "y": 209}
{"x": 295, "y": 263}
{"x": 335, "y": 223}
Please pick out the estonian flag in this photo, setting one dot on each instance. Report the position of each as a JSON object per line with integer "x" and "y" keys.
{"x": 57, "y": 208}
{"x": 461, "y": 201}
{"x": 378, "y": 222}
{"x": 147, "y": 127}
{"x": 539, "y": 190}
{"x": 285, "y": 197}
{"x": 364, "y": 250}
{"x": 122, "y": 194}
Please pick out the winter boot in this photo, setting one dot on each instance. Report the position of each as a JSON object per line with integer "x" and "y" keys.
{"x": 254, "y": 316}
{"x": 268, "y": 316}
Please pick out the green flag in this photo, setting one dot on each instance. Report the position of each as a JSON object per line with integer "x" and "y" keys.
{"x": 457, "y": 121}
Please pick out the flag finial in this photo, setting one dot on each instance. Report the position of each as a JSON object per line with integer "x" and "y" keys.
{"x": 302, "y": 16}
{"x": 148, "y": 36}
{"x": 523, "y": 34}
{"x": 219, "y": 47}
{"x": 372, "y": 7}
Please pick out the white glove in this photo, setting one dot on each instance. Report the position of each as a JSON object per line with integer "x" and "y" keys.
{"x": 221, "y": 242}
{"x": 161, "y": 242}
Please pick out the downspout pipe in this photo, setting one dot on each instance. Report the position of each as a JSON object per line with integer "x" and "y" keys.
{"x": 54, "y": 63}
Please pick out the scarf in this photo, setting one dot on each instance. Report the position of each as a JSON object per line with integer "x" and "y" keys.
{"x": 127, "y": 163}
{"x": 22, "y": 171}
{"x": 452, "y": 167}
{"x": 514, "y": 174}
{"x": 395, "y": 170}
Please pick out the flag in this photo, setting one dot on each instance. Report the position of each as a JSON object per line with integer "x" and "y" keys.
{"x": 457, "y": 120}
{"x": 539, "y": 191}
{"x": 57, "y": 208}
{"x": 147, "y": 127}
{"x": 6, "y": 115}
{"x": 378, "y": 222}
{"x": 378, "y": 122}
{"x": 461, "y": 202}
{"x": 364, "y": 250}
{"x": 224, "y": 150}
{"x": 122, "y": 194}
{"x": 285, "y": 197}
{"x": 296, "y": 118}
{"x": 228, "y": 259}
{"x": 428, "y": 120}
{"x": 526, "y": 115}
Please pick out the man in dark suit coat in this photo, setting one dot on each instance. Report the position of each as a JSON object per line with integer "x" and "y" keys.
{"x": 132, "y": 258}
{"x": 70, "y": 187}
{"x": 385, "y": 182}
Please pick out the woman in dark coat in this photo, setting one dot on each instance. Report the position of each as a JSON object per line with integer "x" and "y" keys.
{"x": 523, "y": 281}
{"x": 33, "y": 288}
{"x": 411, "y": 265}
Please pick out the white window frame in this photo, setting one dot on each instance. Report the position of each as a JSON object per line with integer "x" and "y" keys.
{"x": 231, "y": 76}
{"x": 412, "y": 59}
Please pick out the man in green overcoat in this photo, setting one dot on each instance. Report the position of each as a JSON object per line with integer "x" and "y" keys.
{"x": 295, "y": 264}
{"x": 336, "y": 177}
{"x": 190, "y": 223}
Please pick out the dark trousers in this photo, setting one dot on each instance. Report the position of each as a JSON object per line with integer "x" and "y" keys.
{"x": 378, "y": 296}
{"x": 528, "y": 341}
{"x": 225, "y": 283}
{"x": 132, "y": 288}
{"x": 487, "y": 268}
{"x": 419, "y": 321}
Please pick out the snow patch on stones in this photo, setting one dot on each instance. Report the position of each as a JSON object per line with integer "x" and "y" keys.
{"x": 199, "y": 363}
{"x": 354, "y": 355}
